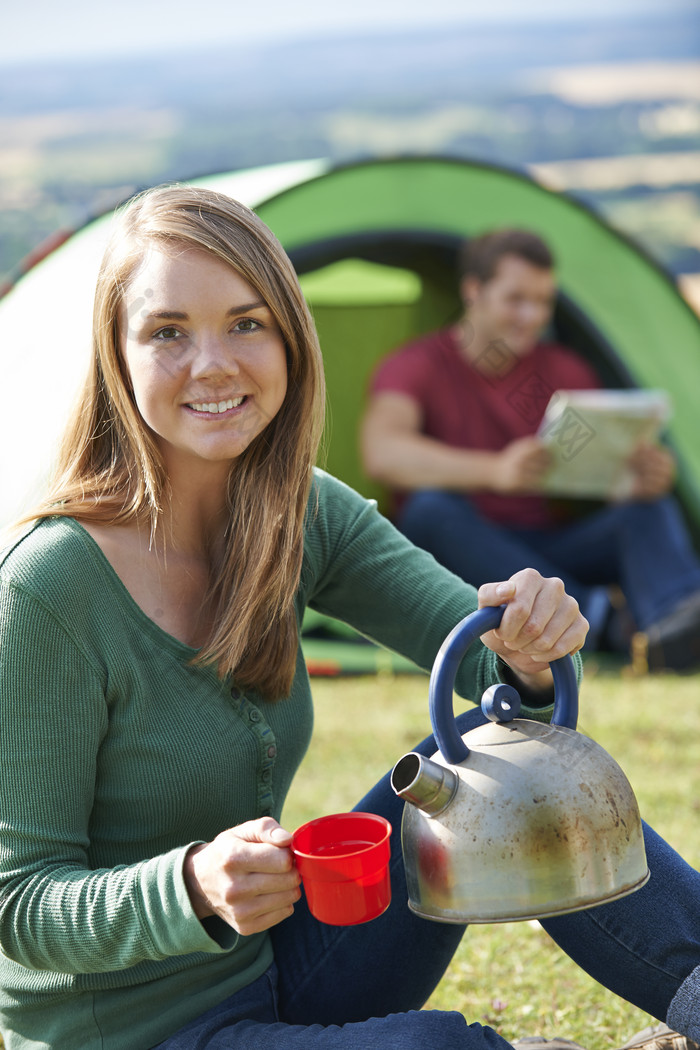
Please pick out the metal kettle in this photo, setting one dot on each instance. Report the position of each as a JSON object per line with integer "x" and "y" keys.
{"x": 517, "y": 819}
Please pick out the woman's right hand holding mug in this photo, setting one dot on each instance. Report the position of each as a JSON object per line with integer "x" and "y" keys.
{"x": 246, "y": 876}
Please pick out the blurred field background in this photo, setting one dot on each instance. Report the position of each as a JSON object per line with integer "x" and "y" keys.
{"x": 600, "y": 98}
{"x": 511, "y": 975}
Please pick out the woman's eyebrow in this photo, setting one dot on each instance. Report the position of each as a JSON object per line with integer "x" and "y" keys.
{"x": 178, "y": 315}
{"x": 258, "y": 304}
{"x": 165, "y": 315}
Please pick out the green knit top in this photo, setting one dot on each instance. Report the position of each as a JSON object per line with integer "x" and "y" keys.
{"x": 116, "y": 755}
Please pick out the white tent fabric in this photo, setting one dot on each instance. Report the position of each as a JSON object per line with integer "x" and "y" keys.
{"x": 45, "y": 324}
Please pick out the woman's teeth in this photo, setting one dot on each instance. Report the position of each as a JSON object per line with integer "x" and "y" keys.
{"x": 217, "y": 406}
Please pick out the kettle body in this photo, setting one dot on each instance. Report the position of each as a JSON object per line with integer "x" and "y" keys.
{"x": 517, "y": 819}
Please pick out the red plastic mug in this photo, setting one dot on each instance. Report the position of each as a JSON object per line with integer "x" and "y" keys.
{"x": 343, "y": 860}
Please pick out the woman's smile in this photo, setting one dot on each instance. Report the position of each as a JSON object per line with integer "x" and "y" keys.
{"x": 215, "y": 408}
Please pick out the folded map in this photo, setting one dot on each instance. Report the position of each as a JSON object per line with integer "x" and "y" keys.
{"x": 591, "y": 435}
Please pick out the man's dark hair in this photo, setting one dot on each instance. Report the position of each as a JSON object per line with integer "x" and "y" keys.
{"x": 480, "y": 256}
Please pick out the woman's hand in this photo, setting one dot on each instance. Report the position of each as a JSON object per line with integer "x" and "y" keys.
{"x": 246, "y": 875}
{"x": 541, "y": 623}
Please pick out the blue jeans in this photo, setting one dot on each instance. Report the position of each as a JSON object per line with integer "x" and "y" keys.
{"x": 362, "y": 987}
{"x": 643, "y": 547}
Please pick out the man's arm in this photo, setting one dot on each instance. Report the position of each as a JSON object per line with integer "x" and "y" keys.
{"x": 397, "y": 454}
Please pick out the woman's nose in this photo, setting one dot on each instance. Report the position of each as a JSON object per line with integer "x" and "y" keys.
{"x": 213, "y": 356}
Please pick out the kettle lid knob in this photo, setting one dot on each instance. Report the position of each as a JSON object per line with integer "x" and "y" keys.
{"x": 501, "y": 703}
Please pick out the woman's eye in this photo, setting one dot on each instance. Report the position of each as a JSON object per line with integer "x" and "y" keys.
{"x": 247, "y": 324}
{"x": 166, "y": 335}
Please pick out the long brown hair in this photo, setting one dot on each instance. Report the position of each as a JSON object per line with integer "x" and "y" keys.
{"x": 110, "y": 471}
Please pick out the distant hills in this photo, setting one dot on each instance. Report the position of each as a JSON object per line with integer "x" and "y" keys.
{"x": 75, "y": 138}
{"x": 405, "y": 66}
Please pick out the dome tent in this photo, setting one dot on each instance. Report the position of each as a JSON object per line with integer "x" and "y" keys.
{"x": 616, "y": 306}
{"x": 375, "y": 244}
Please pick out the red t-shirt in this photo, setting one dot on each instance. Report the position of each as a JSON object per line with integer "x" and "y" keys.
{"x": 466, "y": 408}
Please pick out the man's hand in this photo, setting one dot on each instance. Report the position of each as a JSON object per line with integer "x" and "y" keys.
{"x": 654, "y": 472}
{"x": 541, "y": 623}
{"x": 520, "y": 467}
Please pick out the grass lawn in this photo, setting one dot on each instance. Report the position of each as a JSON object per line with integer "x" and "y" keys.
{"x": 512, "y": 975}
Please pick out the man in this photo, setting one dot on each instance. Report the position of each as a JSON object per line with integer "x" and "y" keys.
{"x": 451, "y": 429}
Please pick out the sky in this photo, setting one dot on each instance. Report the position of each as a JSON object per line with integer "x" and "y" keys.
{"x": 74, "y": 29}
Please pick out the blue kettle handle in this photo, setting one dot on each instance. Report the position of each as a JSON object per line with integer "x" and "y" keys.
{"x": 442, "y": 679}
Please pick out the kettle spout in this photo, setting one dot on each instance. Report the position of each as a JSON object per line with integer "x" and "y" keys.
{"x": 425, "y": 783}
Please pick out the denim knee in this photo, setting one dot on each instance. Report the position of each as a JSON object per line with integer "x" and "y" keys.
{"x": 426, "y": 505}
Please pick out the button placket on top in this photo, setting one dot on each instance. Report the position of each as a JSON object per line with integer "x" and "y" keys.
{"x": 267, "y": 750}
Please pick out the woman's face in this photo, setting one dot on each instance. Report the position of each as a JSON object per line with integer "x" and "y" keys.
{"x": 205, "y": 357}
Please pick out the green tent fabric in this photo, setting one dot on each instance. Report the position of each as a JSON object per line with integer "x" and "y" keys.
{"x": 616, "y": 306}
{"x": 375, "y": 245}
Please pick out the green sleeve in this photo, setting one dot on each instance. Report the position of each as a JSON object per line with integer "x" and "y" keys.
{"x": 56, "y": 913}
{"x": 361, "y": 570}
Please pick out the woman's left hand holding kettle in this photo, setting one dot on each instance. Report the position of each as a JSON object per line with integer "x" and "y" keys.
{"x": 541, "y": 623}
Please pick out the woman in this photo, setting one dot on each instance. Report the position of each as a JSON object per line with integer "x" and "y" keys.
{"x": 153, "y": 698}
